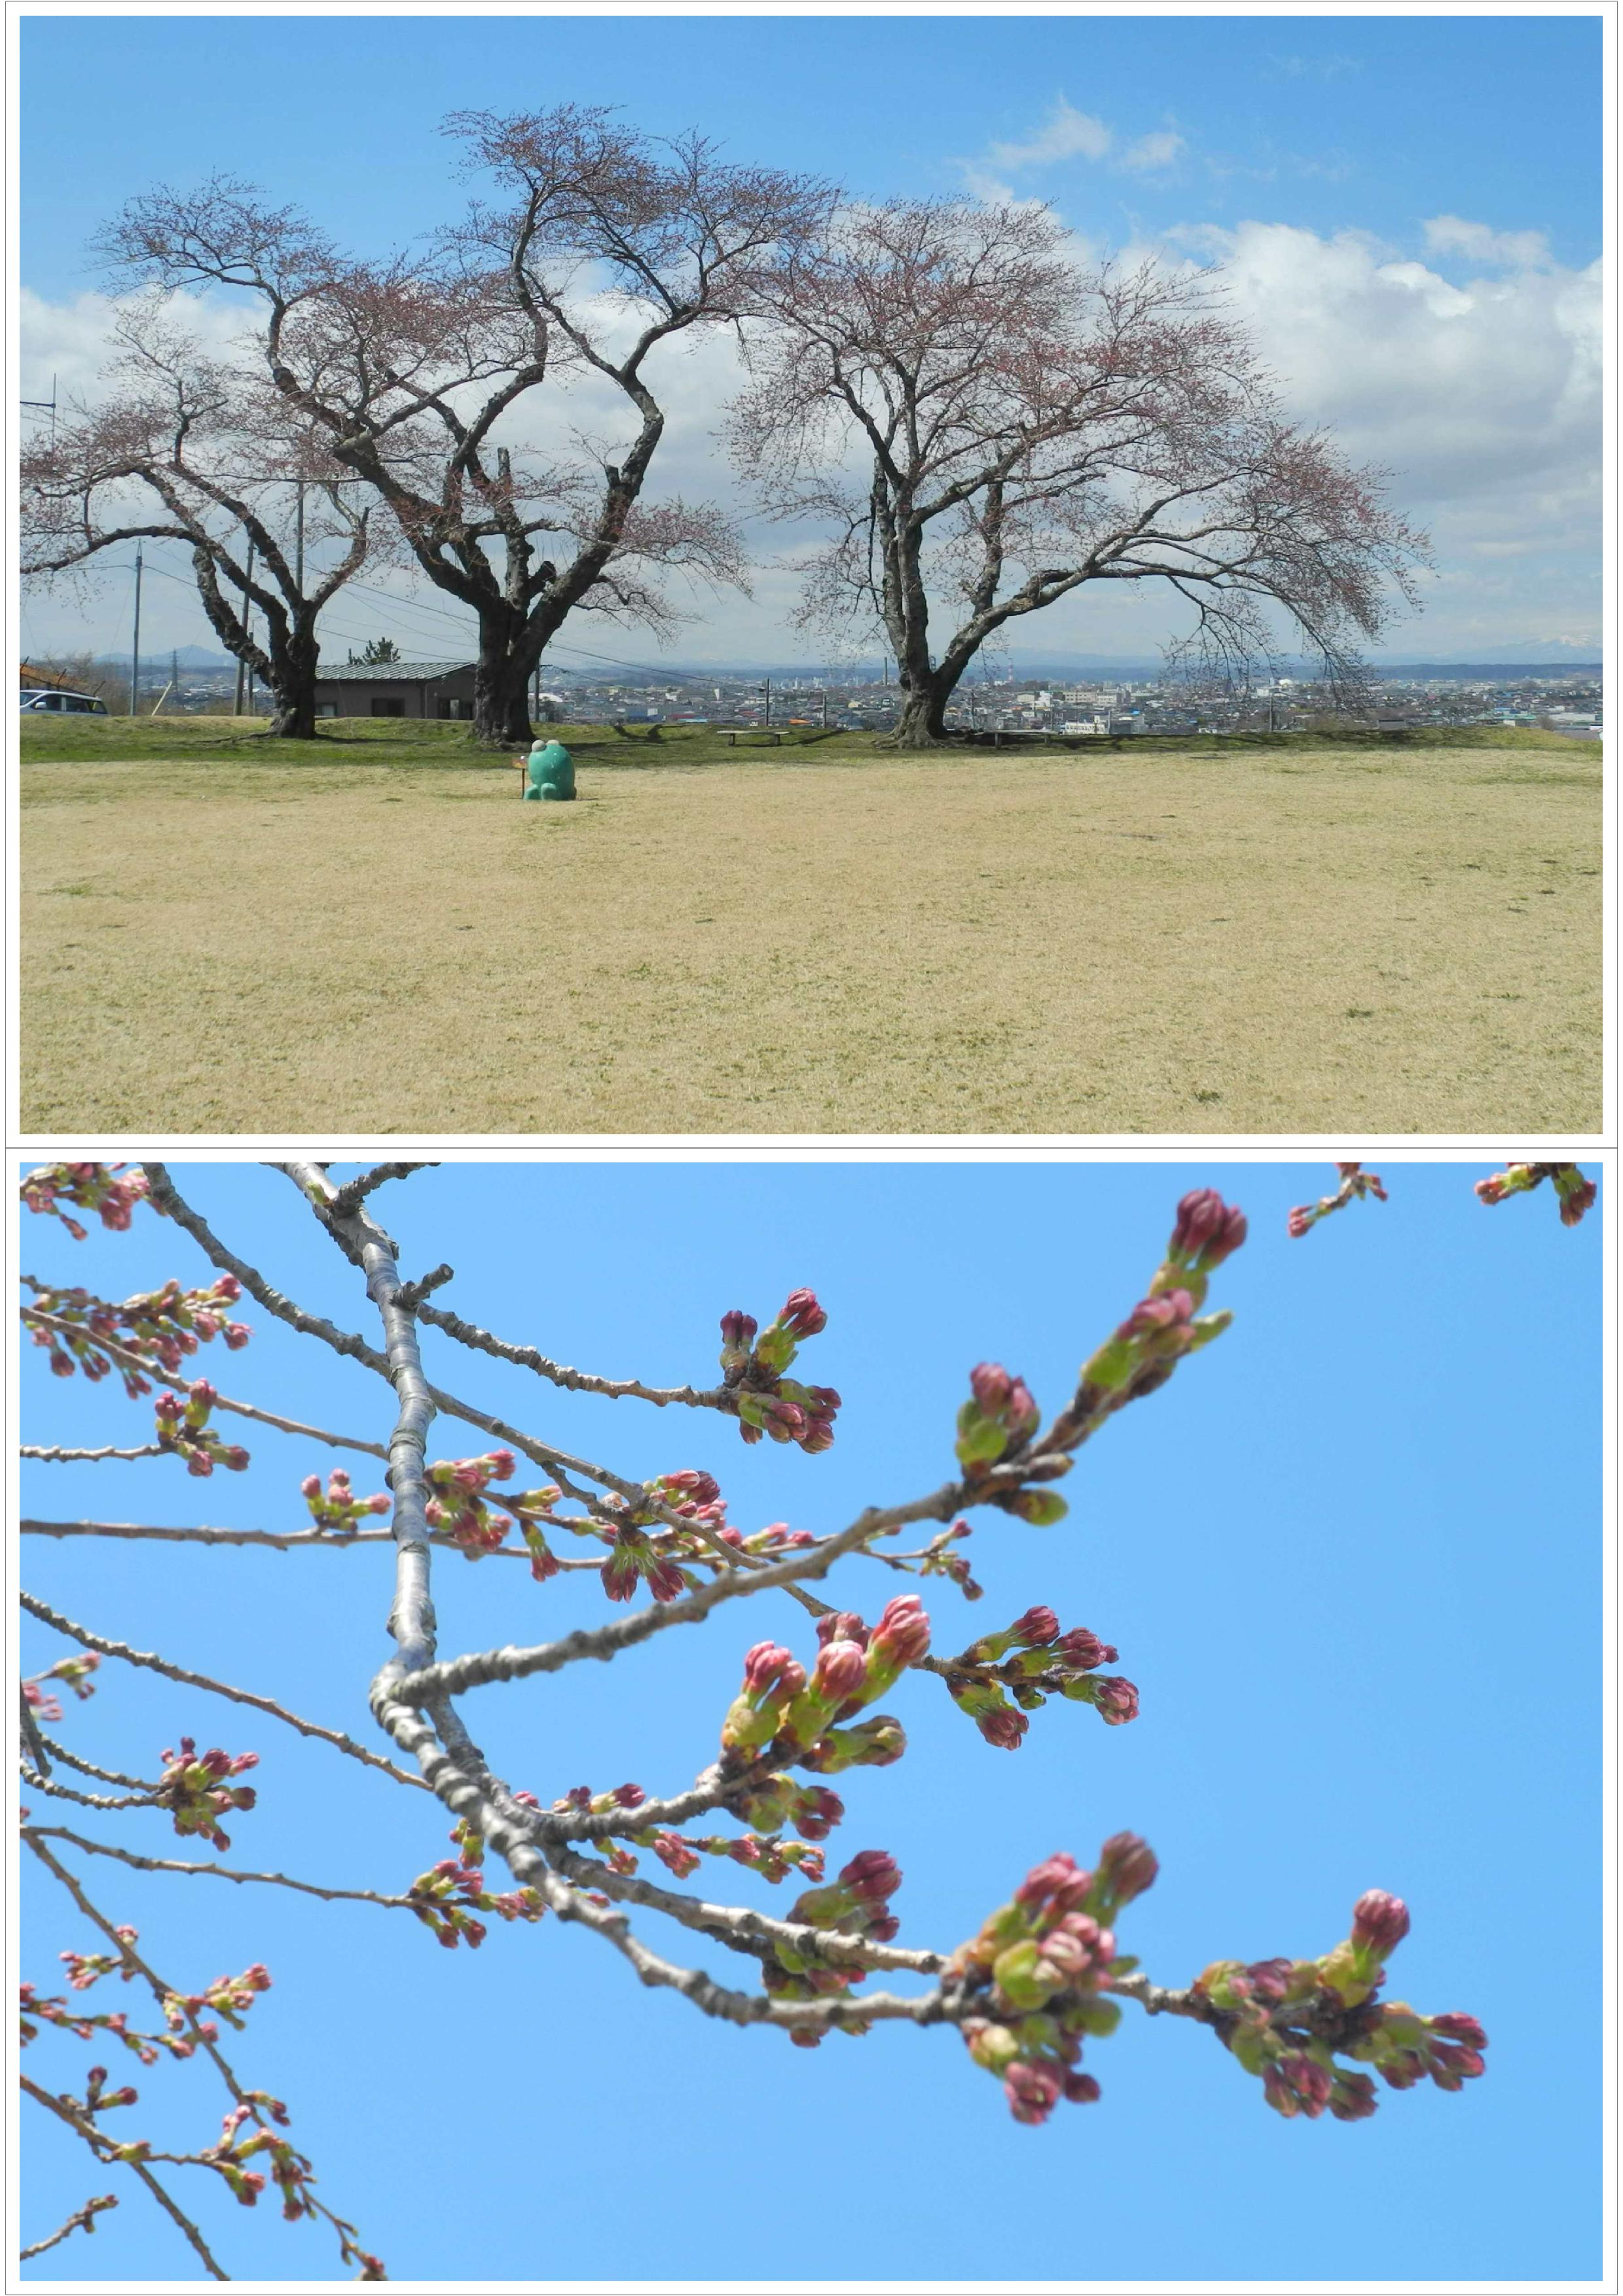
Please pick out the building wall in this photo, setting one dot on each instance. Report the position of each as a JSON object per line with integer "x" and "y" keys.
{"x": 353, "y": 697}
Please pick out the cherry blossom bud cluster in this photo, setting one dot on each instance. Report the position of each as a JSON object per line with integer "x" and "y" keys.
{"x": 458, "y": 1507}
{"x": 83, "y": 1970}
{"x": 1027, "y": 1663}
{"x": 1356, "y": 1183}
{"x": 754, "y": 1368}
{"x": 226, "y": 1996}
{"x": 185, "y": 1429}
{"x": 1001, "y": 1414}
{"x": 787, "y": 1715}
{"x": 1574, "y": 1193}
{"x": 192, "y": 1788}
{"x": 1288, "y": 2022}
{"x": 1035, "y": 1976}
{"x": 856, "y": 1904}
{"x": 290, "y": 2170}
{"x": 336, "y": 1508}
{"x": 75, "y": 1672}
{"x": 163, "y": 1327}
{"x": 940, "y": 1560}
{"x": 107, "y": 1189}
{"x": 779, "y": 1800}
{"x": 635, "y": 1556}
{"x": 449, "y": 1898}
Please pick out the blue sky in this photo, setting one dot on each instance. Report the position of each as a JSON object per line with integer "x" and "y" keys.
{"x": 1408, "y": 208}
{"x": 1351, "y": 1556}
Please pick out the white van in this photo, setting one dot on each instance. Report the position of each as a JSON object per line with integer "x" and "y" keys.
{"x": 49, "y": 698}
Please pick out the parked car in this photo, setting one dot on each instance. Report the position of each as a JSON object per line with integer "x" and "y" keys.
{"x": 50, "y": 698}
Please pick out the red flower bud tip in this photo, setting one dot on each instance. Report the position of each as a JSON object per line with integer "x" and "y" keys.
{"x": 1004, "y": 1726}
{"x": 1127, "y": 1866}
{"x": 502, "y": 1463}
{"x": 990, "y": 1386}
{"x": 904, "y": 1628}
{"x": 1454, "y": 2025}
{"x": 1080, "y": 2088}
{"x": 1032, "y": 2092}
{"x": 1199, "y": 1217}
{"x": 1036, "y": 1627}
{"x": 201, "y": 1391}
{"x": 738, "y": 1329}
{"x": 1082, "y": 1650}
{"x": 1115, "y": 1699}
{"x": 841, "y": 1627}
{"x": 694, "y": 1484}
{"x": 1380, "y": 1922}
{"x": 1298, "y": 1219}
{"x": 802, "y": 1315}
{"x": 872, "y": 1876}
{"x": 764, "y": 1664}
{"x": 840, "y": 1670}
{"x": 1054, "y": 1874}
{"x": 629, "y": 1796}
{"x": 311, "y": 1486}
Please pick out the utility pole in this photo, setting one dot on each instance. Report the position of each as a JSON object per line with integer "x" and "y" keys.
{"x": 767, "y": 720}
{"x": 242, "y": 666}
{"x": 825, "y": 698}
{"x": 135, "y": 647}
{"x": 299, "y": 542}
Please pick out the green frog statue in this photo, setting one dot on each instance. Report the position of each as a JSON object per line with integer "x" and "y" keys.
{"x": 551, "y": 772}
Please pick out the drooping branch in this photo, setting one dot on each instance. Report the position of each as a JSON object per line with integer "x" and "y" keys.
{"x": 108, "y": 1648}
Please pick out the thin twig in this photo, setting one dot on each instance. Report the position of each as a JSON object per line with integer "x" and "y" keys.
{"x": 110, "y": 1649}
{"x": 222, "y": 1873}
{"x": 96, "y": 2139}
{"x": 57, "y": 1453}
{"x": 86, "y": 2216}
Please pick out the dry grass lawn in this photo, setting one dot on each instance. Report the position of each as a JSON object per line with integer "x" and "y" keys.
{"x": 1330, "y": 940}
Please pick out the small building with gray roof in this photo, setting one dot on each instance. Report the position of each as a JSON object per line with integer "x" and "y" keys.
{"x": 394, "y": 689}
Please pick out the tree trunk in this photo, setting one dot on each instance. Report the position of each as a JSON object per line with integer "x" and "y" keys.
{"x": 292, "y": 682}
{"x": 501, "y": 681}
{"x": 922, "y": 724}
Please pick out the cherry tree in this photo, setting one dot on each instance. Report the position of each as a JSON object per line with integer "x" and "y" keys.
{"x": 985, "y": 427}
{"x": 598, "y": 247}
{"x": 1033, "y": 1994}
{"x": 180, "y": 446}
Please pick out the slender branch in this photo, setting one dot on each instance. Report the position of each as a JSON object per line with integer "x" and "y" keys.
{"x": 134, "y": 1362}
{"x": 108, "y": 1649}
{"x": 87, "y": 1801}
{"x": 290, "y": 1542}
{"x": 57, "y": 1454}
{"x": 585, "y": 1382}
{"x": 86, "y": 2216}
{"x": 90, "y": 1770}
{"x": 221, "y": 1873}
{"x": 94, "y": 2136}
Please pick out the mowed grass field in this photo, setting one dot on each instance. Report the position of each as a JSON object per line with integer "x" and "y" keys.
{"x": 222, "y": 934}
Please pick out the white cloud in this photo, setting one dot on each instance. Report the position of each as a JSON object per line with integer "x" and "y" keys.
{"x": 1157, "y": 150}
{"x": 1510, "y": 251}
{"x": 1066, "y": 133}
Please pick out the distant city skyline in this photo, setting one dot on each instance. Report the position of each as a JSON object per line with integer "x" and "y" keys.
{"x": 1420, "y": 261}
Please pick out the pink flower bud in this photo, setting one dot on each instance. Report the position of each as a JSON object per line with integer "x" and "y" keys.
{"x": 1082, "y": 1650}
{"x": 1127, "y": 1866}
{"x": 1298, "y": 1219}
{"x": 738, "y": 1329}
{"x": 1037, "y": 1627}
{"x": 1455, "y": 2026}
{"x": 1032, "y": 2092}
{"x": 1003, "y": 1727}
{"x": 1200, "y": 1217}
{"x": 502, "y": 1463}
{"x": 903, "y": 1629}
{"x": 840, "y": 1671}
{"x": 990, "y": 1386}
{"x": 871, "y": 1875}
{"x": 1380, "y": 1922}
{"x": 1115, "y": 1699}
{"x": 311, "y": 1486}
{"x": 842, "y": 1627}
{"x": 766, "y": 1665}
{"x": 802, "y": 1315}
{"x": 1080, "y": 2088}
